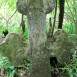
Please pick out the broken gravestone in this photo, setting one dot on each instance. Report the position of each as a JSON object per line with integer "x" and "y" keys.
{"x": 62, "y": 47}
{"x": 14, "y": 47}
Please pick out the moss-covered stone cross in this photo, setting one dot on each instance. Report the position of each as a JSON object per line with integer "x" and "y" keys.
{"x": 36, "y": 11}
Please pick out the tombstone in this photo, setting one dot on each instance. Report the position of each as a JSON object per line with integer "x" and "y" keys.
{"x": 36, "y": 11}
{"x": 14, "y": 48}
{"x": 62, "y": 47}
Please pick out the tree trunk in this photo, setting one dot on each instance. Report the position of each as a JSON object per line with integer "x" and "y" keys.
{"x": 37, "y": 38}
{"x": 61, "y": 13}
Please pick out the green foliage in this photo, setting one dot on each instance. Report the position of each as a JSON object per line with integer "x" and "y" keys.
{"x": 11, "y": 3}
{"x": 11, "y": 70}
{"x": 72, "y": 67}
{"x": 25, "y": 35}
{"x": 26, "y": 63}
{"x": 8, "y": 3}
{"x": 4, "y": 63}
{"x": 70, "y": 29}
{"x": 71, "y": 10}
{"x": 14, "y": 28}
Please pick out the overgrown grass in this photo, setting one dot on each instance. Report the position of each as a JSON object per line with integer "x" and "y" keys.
{"x": 71, "y": 68}
{"x": 10, "y": 70}
{"x": 4, "y": 63}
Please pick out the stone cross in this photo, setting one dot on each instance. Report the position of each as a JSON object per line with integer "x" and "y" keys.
{"x": 36, "y": 11}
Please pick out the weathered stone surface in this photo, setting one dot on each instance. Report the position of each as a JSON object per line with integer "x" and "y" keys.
{"x": 26, "y": 6}
{"x": 14, "y": 47}
{"x": 40, "y": 62}
{"x": 36, "y": 11}
{"x": 62, "y": 47}
{"x": 37, "y": 38}
{"x": 1, "y": 39}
